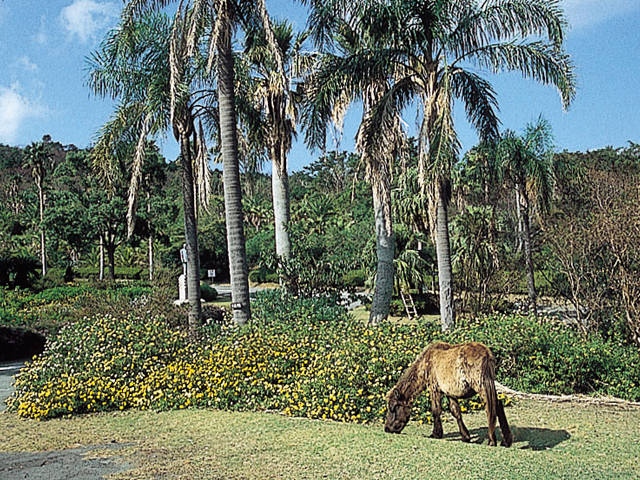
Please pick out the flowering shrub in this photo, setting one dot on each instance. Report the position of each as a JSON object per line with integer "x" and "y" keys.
{"x": 300, "y": 357}
{"x": 550, "y": 357}
{"x": 48, "y": 310}
{"x": 310, "y": 359}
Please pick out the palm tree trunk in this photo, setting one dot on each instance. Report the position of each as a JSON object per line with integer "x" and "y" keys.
{"x": 43, "y": 253}
{"x": 443, "y": 253}
{"x": 281, "y": 207}
{"x": 231, "y": 178}
{"x": 101, "y": 259}
{"x": 385, "y": 245}
{"x": 526, "y": 243}
{"x": 150, "y": 239}
{"x": 191, "y": 237}
{"x": 111, "y": 258}
{"x": 150, "y": 253}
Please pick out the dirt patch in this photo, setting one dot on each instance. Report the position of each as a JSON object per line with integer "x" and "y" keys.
{"x": 85, "y": 463}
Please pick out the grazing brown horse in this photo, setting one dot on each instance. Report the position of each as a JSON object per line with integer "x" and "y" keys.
{"x": 457, "y": 371}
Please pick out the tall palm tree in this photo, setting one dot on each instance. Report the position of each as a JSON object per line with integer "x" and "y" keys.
{"x": 435, "y": 48}
{"x": 38, "y": 158}
{"x": 144, "y": 62}
{"x": 273, "y": 112}
{"x": 216, "y": 21}
{"x": 335, "y": 85}
{"x": 525, "y": 162}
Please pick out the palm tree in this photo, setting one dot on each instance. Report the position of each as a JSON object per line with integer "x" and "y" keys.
{"x": 38, "y": 158}
{"x": 274, "y": 110}
{"x": 475, "y": 252}
{"x": 331, "y": 88}
{"x": 434, "y": 49}
{"x": 226, "y": 14}
{"x": 218, "y": 18}
{"x": 526, "y": 163}
{"x": 144, "y": 62}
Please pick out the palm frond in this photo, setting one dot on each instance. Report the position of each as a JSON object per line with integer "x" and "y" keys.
{"x": 537, "y": 60}
{"x": 480, "y": 102}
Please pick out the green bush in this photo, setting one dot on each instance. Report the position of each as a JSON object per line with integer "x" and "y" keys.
{"x": 122, "y": 273}
{"x": 19, "y": 271}
{"x": 304, "y": 357}
{"x": 208, "y": 293}
{"x": 550, "y": 357}
{"x": 263, "y": 275}
{"x": 301, "y": 357}
{"x": 354, "y": 279}
{"x": 50, "y": 309}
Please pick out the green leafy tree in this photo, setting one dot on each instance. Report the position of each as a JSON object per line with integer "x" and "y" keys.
{"x": 67, "y": 217}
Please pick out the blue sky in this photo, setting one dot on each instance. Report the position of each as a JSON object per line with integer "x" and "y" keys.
{"x": 43, "y": 46}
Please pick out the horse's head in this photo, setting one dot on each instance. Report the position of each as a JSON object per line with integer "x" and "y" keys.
{"x": 398, "y": 412}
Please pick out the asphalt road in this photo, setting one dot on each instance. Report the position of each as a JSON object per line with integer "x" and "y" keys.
{"x": 7, "y": 371}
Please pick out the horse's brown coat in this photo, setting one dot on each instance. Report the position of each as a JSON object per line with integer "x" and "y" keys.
{"x": 457, "y": 371}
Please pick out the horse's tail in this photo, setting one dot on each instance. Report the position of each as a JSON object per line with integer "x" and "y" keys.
{"x": 488, "y": 372}
{"x": 494, "y": 406}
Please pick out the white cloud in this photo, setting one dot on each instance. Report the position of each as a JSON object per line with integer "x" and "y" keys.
{"x": 25, "y": 63}
{"x": 86, "y": 19}
{"x": 585, "y": 13}
{"x": 40, "y": 36}
{"x": 14, "y": 110}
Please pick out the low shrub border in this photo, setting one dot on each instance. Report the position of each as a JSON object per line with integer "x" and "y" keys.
{"x": 300, "y": 357}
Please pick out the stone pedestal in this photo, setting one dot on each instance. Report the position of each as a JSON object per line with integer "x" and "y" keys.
{"x": 182, "y": 288}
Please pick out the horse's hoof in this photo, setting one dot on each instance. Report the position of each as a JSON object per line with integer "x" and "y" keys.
{"x": 466, "y": 439}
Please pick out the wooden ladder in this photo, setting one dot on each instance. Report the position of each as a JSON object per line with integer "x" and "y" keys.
{"x": 409, "y": 306}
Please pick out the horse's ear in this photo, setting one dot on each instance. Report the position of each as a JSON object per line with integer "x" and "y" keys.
{"x": 395, "y": 395}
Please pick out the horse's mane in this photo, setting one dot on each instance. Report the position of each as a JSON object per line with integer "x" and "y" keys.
{"x": 414, "y": 379}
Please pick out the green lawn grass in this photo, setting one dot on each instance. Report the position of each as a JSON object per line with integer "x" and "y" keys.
{"x": 552, "y": 440}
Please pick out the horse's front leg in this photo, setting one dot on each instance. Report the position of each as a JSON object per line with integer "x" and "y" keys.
{"x": 454, "y": 406}
{"x": 436, "y": 412}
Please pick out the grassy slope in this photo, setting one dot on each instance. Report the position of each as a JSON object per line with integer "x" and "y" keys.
{"x": 552, "y": 441}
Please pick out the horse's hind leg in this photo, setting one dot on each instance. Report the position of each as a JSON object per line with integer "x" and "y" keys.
{"x": 436, "y": 412}
{"x": 454, "y": 406}
{"x": 490, "y": 405}
{"x": 507, "y": 436}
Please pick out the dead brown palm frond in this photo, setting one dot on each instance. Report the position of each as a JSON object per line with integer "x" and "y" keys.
{"x": 379, "y": 144}
{"x": 136, "y": 173}
{"x": 201, "y": 169}
{"x": 196, "y": 25}
{"x": 177, "y": 53}
{"x": 222, "y": 18}
{"x": 273, "y": 45}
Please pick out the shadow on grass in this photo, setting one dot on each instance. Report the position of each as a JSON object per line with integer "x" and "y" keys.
{"x": 537, "y": 439}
